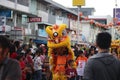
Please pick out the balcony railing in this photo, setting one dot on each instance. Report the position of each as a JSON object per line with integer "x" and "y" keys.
{"x": 22, "y": 2}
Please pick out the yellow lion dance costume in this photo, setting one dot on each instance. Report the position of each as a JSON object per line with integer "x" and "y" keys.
{"x": 115, "y": 46}
{"x": 59, "y": 50}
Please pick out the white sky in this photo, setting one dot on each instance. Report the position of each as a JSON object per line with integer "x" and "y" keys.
{"x": 102, "y": 7}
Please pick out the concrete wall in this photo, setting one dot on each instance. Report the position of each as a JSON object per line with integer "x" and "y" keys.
{"x": 14, "y": 6}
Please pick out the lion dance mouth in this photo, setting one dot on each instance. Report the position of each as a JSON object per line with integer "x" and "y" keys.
{"x": 59, "y": 50}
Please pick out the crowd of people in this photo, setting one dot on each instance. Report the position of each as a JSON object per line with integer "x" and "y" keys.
{"x": 23, "y": 62}
{"x": 28, "y": 62}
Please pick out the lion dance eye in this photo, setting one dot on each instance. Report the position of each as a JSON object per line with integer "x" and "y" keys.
{"x": 55, "y": 34}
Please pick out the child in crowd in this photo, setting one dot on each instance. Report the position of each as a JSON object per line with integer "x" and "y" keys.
{"x": 71, "y": 71}
{"x": 23, "y": 67}
{"x": 80, "y": 61}
{"x": 38, "y": 65}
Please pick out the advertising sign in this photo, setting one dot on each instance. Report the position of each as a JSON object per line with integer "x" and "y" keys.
{"x": 78, "y": 2}
{"x": 35, "y": 19}
{"x": 116, "y": 14}
{"x": 6, "y": 13}
{"x": 2, "y": 20}
{"x": 5, "y": 28}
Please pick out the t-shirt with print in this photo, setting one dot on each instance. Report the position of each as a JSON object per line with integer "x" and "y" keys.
{"x": 71, "y": 72}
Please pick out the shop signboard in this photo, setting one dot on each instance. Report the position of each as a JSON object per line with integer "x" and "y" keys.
{"x": 5, "y": 28}
{"x": 2, "y": 20}
{"x": 116, "y": 14}
{"x": 35, "y": 19}
{"x": 78, "y": 2}
{"x": 6, "y": 13}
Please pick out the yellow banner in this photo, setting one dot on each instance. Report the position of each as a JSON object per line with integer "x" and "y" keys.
{"x": 78, "y": 2}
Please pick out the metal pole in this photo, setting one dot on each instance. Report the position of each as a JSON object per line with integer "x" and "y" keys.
{"x": 78, "y": 25}
{"x": 15, "y": 17}
{"x": 115, "y": 9}
{"x": 113, "y": 31}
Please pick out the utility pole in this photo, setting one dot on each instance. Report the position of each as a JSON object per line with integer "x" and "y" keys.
{"x": 78, "y": 24}
{"x": 115, "y": 21}
{"x": 15, "y": 17}
{"x": 78, "y": 3}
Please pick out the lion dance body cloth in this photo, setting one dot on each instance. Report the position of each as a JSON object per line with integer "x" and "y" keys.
{"x": 59, "y": 50}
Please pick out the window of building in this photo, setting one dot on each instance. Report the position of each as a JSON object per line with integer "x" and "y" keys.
{"x": 22, "y": 2}
{"x": 12, "y": 0}
{"x": 41, "y": 7}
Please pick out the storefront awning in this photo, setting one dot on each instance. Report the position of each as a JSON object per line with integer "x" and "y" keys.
{"x": 40, "y": 41}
